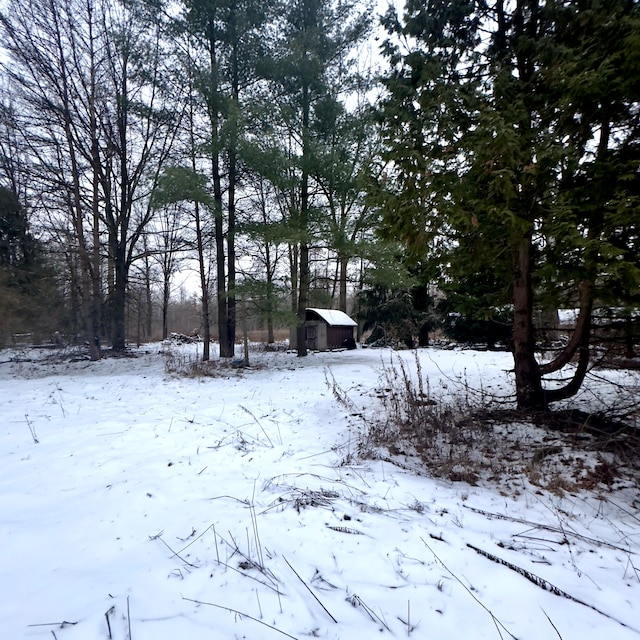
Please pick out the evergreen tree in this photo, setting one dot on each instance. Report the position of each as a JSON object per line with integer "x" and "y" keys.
{"x": 30, "y": 298}
{"x": 232, "y": 37}
{"x": 317, "y": 36}
{"x": 516, "y": 123}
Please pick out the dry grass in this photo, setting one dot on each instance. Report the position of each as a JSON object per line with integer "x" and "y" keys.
{"x": 466, "y": 439}
{"x": 189, "y": 366}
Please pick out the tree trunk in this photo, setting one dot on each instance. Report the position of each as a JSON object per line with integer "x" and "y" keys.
{"x": 305, "y": 276}
{"x": 204, "y": 287}
{"x": 529, "y": 391}
{"x": 342, "y": 300}
{"x": 233, "y": 178}
{"x": 166, "y": 291}
{"x": 294, "y": 259}
{"x": 303, "y": 299}
{"x": 231, "y": 256}
{"x": 119, "y": 300}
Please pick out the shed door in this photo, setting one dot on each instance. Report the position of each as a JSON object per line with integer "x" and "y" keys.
{"x": 311, "y": 336}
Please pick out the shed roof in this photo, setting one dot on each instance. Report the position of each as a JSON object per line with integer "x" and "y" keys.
{"x": 333, "y": 317}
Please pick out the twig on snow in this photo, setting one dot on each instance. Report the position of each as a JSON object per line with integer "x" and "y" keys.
{"x": 241, "y": 614}
{"x": 356, "y": 600}
{"x": 32, "y": 429}
{"x": 62, "y": 625}
{"x": 254, "y": 523}
{"x": 309, "y": 590}
{"x": 258, "y": 423}
{"x": 176, "y": 554}
{"x": 249, "y": 562}
{"x": 551, "y": 623}
{"x": 194, "y": 540}
{"x": 633, "y": 567}
{"x": 538, "y": 525}
{"x": 455, "y": 577}
{"x": 106, "y": 617}
{"x": 268, "y": 574}
{"x": 129, "y": 619}
{"x": 546, "y": 585}
{"x": 354, "y": 532}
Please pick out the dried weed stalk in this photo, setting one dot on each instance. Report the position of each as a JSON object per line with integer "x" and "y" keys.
{"x": 464, "y": 437}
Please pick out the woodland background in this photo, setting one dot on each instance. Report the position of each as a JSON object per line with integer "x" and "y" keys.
{"x": 218, "y": 166}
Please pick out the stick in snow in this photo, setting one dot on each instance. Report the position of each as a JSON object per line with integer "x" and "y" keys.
{"x": 497, "y": 622}
{"x": 129, "y": 618}
{"x": 551, "y": 623}
{"x": 544, "y": 584}
{"x": 309, "y": 590}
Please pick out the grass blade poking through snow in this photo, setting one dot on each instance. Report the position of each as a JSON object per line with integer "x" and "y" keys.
{"x": 457, "y": 579}
{"x": 309, "y": 590}
{"x": 239, "y": 613}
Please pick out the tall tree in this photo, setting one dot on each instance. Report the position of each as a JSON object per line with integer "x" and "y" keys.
{"x": 95, "y": 117}
{"x": 232, "y": 36}
{"x": 518, "y": 121}
{"x": 318, "y": 36}
{"x": 31, "y": 298}
{"x": 347, "y": 151}
{"x": 139, "y": 118}
{"x": 52, "y": 66}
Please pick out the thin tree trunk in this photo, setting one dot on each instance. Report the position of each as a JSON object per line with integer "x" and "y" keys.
{"x": 305, "y": 276}
{"x": 233, "y": 179}
{"x": 214, "y": 106}
{"x": 204, "y": 287}
{"x": 119, "y": 299}
{"x": 294, "y": 253}
{"x": 166, "y": 291}
{"x": 270, "y": 296}
{"x": 342, "y": 300}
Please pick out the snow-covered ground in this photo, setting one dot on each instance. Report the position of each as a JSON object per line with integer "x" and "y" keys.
{"x": 139, "y": 504}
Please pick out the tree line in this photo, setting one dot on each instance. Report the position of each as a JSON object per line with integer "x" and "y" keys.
{"x": 134, "y": 132}
{"x": 481, "y": 157}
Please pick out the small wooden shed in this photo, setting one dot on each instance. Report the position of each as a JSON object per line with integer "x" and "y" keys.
{"x": 329, "y": 329}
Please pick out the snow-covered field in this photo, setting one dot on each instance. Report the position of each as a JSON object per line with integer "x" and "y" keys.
{"x": 139, "y": 504}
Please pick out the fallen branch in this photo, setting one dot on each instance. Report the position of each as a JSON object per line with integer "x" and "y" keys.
{"x": 546, "y": 585}
{"x": 241, "y": 614}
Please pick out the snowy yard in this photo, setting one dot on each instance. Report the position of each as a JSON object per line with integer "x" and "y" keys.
{"x": 139, "y": 504}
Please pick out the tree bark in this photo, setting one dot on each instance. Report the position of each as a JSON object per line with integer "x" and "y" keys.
{"x": 204, "y": 288}
{"x": 529, "y": 393}
{"x": 304, "y": 282}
